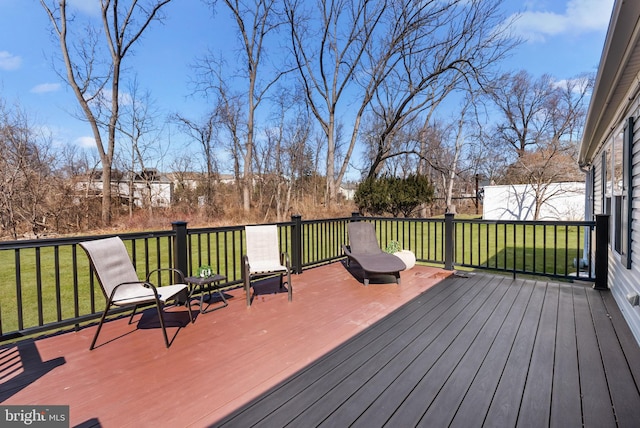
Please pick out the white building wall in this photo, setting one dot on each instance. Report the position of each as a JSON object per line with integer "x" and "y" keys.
{"x": 517, "y": 202}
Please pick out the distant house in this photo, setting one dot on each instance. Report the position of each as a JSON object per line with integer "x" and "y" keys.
{"x": 348, "y": 190}
{"x": 561, "y": 201}
{"x": 143, "y": 188}
{"x": 610, "y": 153}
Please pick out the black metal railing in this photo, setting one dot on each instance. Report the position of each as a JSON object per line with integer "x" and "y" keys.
{"x": 48, "y": 284}
{"x": 558, "y": 249}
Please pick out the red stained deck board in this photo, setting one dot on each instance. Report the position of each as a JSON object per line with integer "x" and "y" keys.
{"x": 221, "y": 362}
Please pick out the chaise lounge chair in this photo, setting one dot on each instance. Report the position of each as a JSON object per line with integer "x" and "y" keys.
{"x": 364, "y": 249}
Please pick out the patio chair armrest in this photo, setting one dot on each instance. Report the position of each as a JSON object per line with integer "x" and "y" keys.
{"x": 347, "y": 252}
{"x": 246, "y": 268}
{"x": 146, "y": 284}
{"x": 178, "y": 271}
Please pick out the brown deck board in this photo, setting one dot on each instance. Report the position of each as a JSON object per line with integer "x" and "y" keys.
{"x": 214, "y": 366}
{"x": 477, "y": 351}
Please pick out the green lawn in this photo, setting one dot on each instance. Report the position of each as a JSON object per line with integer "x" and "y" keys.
{"x": 529, "y": 248}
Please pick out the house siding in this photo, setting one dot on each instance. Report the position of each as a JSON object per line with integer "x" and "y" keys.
{"x": 623, "y": 281}
{"x": 597, "y": 189}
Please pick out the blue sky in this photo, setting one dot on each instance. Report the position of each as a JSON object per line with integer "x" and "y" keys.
{"x": 561, "y": 37}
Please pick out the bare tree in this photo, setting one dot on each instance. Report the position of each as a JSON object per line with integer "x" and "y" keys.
{"x": 27, "y": 175}
{"x": 535, "y": 112}
{"x": 442, "y": 47}
{"x": 229, "y": 111}
{"x": 328, "y": 46}
{"x": 284, "y": 157}
{"x": 137, "y": 125}
{"x": 184, "y": 194}
{"x": 204, "y": 132}
{"x": 539, "y": 123}
{"x": 392, "y": 58}
{"x": 256, "y": 21}
{"x": 94, "y": 76}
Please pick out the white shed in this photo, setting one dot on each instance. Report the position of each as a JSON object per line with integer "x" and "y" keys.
{"x": 560, "y": 201}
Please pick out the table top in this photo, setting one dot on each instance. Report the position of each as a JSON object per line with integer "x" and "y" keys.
{"x": 204, "y": 280}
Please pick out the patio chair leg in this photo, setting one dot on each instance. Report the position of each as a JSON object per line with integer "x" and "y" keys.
{"x": 289, "y": 285}
{"x": 159, "y": 306}
{"x": 135, "y": 308}
{"x": 247, "y": 289}
{"x": 104, "y": 316}
{"x": 188, "y": 305}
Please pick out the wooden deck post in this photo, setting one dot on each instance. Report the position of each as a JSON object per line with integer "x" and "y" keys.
{"x": 448, "y": 241}
{"x": 180, "y": 248}
{"x": 602, "y": 252}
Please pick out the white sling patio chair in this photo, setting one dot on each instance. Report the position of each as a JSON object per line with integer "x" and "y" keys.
{"x": 121, "y": 285}
{"x": 263, "y": 258}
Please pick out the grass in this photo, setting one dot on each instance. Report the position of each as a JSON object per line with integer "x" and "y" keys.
{"x": 64, "y": 271}
{"x": 522, "y": 247}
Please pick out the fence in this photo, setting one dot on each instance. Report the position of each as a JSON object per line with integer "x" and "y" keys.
{"x": 48, "y": 284}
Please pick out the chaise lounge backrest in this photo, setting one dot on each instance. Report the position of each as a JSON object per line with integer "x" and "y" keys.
{"x": 362, "y": 238}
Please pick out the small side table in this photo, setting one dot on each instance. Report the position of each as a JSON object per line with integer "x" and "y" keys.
{"x": 199, "y": 285}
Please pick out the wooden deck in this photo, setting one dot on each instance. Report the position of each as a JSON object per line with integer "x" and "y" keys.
{"x": 477, "y": 351}
{"x": 222, "y": 361}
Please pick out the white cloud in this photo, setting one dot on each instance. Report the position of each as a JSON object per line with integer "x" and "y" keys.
{"x": 580, "y": 16}
{"x": 577, "y": 85}
{"x": 90, "y": 7}
{"x": 85, "y": 142}
{"x": 9, "y": 61}
{"x": 45, "y": 87}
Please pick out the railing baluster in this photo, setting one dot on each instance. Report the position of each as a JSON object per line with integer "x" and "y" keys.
{"x": 39, "y": 287}
{"x": 56, "y": 267}
{"x": 525, "y": 249}
{"x": 566, "y": 253}
{"x": 76, "y": 300}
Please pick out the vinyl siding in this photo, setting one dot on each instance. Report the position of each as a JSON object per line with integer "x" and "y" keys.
{"x": 623, "y": 281}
